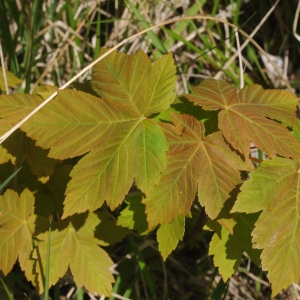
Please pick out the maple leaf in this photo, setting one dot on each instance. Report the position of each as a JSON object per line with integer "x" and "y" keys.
{"x": 294, "y": 123}
{"x": 182, "y": 106}
{"x": 17, "y": 106}
{"x": 41, "y": 165}
{"x": 147, "y": 89}
{"x": 15, "y": 148}
{"x": 227, "y": 248}
{"x": 121, "y": 142}
{"x": 17, "y": 226}
{"x": 168, "y": 235}
{"x": 52, "y": 202}
{"x": 45, "y": 91}
{"x": 274, "y": 189}
{"x": 246, "y": 114}
{"x": 12, "y": 80}
{"x": 193, "y": 160}
{"x": 227, "y": 254}
{"x": 225, "y": 218}
{"x": 17, "y": 214}
{"x": 5, "y": 156}
{"x": 133, "y": 216}
{"x": 73, "y": 244}
{"x": 108, "y": 232}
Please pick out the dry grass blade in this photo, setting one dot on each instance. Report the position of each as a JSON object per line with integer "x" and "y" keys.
{"x": 296, "y": 35}
{"x": 249, "y": 38}
{"x": 3, "y": 69}
{"x": 7, "y": 134}
{"x": 240, "y": 60}
{"x": 61, "y": 51}
{"x": 48, "y": 42}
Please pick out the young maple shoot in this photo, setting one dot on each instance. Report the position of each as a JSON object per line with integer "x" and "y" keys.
{"x": 132, "y": 127}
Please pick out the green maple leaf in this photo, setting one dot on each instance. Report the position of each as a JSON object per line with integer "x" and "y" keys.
{"x": 294, "y": 123}
{"x": 15, "y": 148}
{"x": 5, "y": 156}
{"x": 121, "y": 141}
{"x": 12, "y": 80}
{"x": 274, "y": 189}
{"x": 108, "y": 232}
{"x": 227, "y": 248}
{"x": 17, "y": 106}
{"x": 168, "y": 235}
{"x": 73, "y": 245}
{"x": 133, "y": 216}
{"x": 225, "y": 218}
{"x": 193, "y": 160}
{"x": 183, "y": 106}
{"x": 52, "y": 202}
{"x": 41, "y": 165}
{"x": 246, "y": 114}
{"x": 45, "y": 91}
{"x": 227, "y": 254}
{"x": 17, "y": 226}
{"x": 148, "y": 89}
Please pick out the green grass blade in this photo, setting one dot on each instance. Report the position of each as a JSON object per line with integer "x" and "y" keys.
{"x": 71, "y": 10}
{"x": 35, "y": 24}
{"x": 80, "y": 294}
{"x": 210, "y": 47}
{"x": 3, "y": 184}
{"x": 46, "y": 296}
{"x": 237, "y": 11}
{"x": 213, "y": 12}
{"x": 238, "y": 4}
{"x": 117, "y": 286}
{"x": 143, "y": 267}
{"x": 98, "y": 36}
{"x": 178, "y": 37}
{"x": 56, "y": 292}
{"x": 123, "y": 286}
{"x": 7, "y": 40}
{"x": 254, "y": 61}
{"x": 181, "y": 26}
{"x": 13, "y": 9}
{"x": 220, "y": 291}
{"x": 128, "y": 292}
{"x": 6, "y": 290}
{"x": 159, "y": 45}
{"x": 36, "y": 15}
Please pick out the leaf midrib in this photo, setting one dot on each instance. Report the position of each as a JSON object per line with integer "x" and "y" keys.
{"x": 108, "y": 162}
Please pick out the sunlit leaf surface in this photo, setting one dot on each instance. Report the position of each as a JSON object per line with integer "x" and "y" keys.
{"x": 73, "y": 245}
{"x": 168, "y": 236}
{"x": 245, "y": 116}
{"x": 276, "y": 185}
{"x": 193, "y": 162}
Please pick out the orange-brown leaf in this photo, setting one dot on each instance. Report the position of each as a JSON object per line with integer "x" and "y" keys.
{"x": 193, "y": 161}
{"x": 244, "y": 116}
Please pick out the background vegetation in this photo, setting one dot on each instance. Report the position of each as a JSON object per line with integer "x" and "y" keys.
{"x": 48, "y": 42}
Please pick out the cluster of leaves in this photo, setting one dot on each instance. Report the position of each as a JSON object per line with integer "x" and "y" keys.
{"x": 131, "y": 129}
